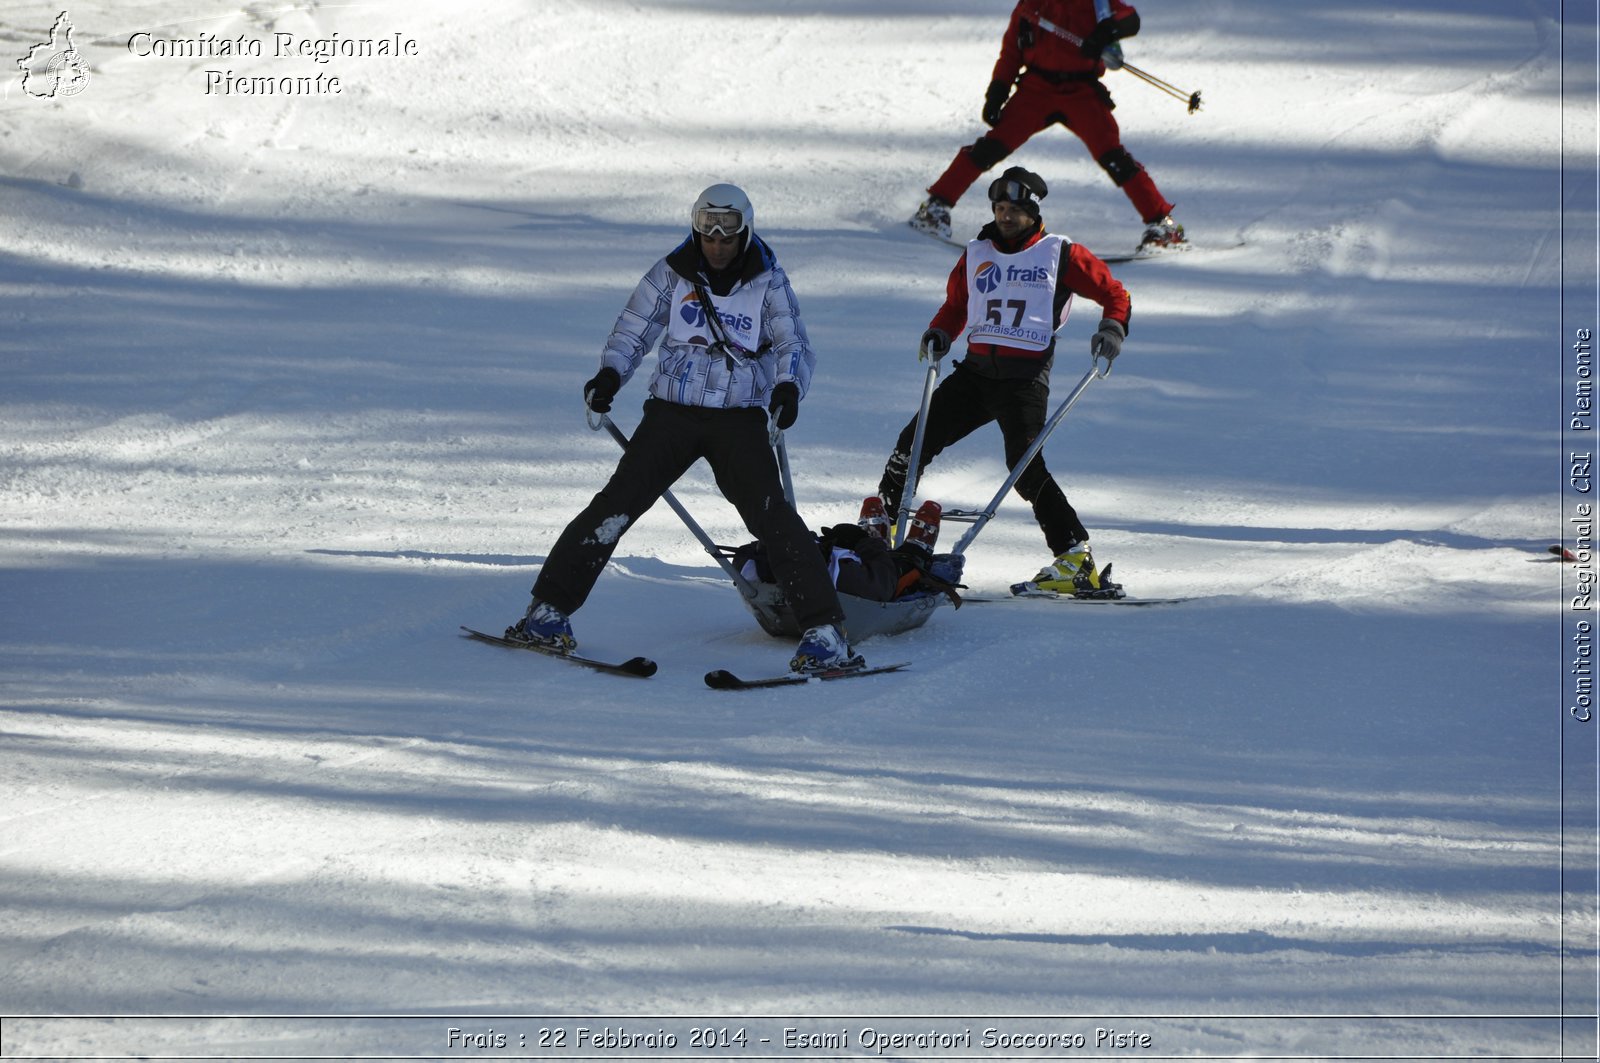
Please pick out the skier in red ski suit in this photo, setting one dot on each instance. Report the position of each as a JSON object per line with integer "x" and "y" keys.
{"x": 1060, "y": 49}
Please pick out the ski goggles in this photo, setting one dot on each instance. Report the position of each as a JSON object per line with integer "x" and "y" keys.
{"x": 718, "y": 221}
{"x": 1010, "y": 191}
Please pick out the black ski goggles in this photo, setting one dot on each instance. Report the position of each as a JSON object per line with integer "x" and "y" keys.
{"x": 718, "y": 221}
{"x": 1010, "y": 191}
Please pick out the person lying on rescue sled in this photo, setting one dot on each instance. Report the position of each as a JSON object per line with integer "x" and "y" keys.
{"x": 1010, "y": 290}
{"x": 863, "y": 564}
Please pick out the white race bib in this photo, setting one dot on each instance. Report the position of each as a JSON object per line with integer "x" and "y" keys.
{"x": 740, "y": 311}
{"x": 1011, "y": 298}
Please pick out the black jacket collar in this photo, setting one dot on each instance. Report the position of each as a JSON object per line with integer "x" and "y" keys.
{"x": 687, "y": 262}
{"x": 991, "y": 233}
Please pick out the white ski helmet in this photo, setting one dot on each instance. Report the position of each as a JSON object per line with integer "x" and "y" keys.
{"x": 722, "y": 210}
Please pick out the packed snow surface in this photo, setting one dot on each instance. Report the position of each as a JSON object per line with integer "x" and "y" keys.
{"x": 292, "y": 391}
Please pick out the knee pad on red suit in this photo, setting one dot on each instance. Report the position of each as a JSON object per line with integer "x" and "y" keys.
{"x": 986, "y": 151}
{"x": 1120, "y": 165}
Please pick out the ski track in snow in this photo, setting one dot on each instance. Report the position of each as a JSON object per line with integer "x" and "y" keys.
{"x": 293, "y": 391}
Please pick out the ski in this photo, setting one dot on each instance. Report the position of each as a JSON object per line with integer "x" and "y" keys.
{"x": 1166, "y": 252}
{"x": 1030, "y": 591}
{"x": 639, "y": 667}
{"x": 722, "y": 679}
{"x": 930, "y": 234}
{"x": 1563, "y": 553}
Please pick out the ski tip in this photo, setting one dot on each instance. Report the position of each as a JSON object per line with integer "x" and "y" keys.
{"x": 722, "y": 679}
{"x": 643, "y": 667}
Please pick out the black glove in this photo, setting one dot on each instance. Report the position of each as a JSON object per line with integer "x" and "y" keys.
{"x": 785, "y": 404}
{"x": 598, "y": 393}
{"x": 994, "y": 100}
{"x": 1107, "y": 343}
{"x": 935, "y": 344}
{"x": 1105, "y": 31}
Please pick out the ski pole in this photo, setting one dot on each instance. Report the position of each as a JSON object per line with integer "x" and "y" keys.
{"x": 908, "y": 493}
{"x": 783, "y": 463}
{"x": 745, "y": 588}
{"x": 1033, "y": 449}
{"x": 1192, "y": 98}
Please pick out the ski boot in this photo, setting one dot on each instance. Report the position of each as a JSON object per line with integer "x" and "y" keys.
{"x": 1162, "y": 235}
{"x": 933, "y": 218}
{"x": 1073, "y": 572}
{"x": 874, "y": 518}
{"x": 922, "y": 530}
{"x": 824, "y": 649}
{"x": 546, "y": 625}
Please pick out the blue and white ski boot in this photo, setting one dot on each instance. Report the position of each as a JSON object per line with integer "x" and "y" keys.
{"x": 824, "y": 649}
{"x": 546, "y": 625}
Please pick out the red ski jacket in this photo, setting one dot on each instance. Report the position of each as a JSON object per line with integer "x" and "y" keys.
{"x": 1035, "y": 38}
{"x": 1081, "y": 273}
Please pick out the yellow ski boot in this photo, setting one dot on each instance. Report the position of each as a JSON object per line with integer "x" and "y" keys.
{"x": 1073, "y": 572}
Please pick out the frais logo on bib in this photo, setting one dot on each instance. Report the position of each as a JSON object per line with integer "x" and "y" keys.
{"x": 987, "y": 278}
{"x": 694, "y": 314}
{"x": 1027, "y": 275}
{"x": 991, "y": 275}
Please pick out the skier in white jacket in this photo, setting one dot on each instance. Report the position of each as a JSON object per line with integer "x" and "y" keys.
{"x": 718, "y": 376}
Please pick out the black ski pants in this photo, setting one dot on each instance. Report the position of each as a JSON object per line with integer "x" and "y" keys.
{"x": 967, "y": 401}
{"x": 670, "y": 438}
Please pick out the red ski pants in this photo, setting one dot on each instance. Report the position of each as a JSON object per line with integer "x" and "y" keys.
{"x": 1084, "y": 107}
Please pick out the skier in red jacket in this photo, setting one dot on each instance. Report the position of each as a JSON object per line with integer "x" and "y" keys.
{"x": 1009, "y": 292}
{"x": 1060, "y": 49}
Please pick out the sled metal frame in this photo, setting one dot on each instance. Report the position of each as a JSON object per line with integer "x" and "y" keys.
{"x": 767, "y": 602}
{"x": 983, "y": 516}
{"x": 902, "y": 520}
{"x": 863, "y": 617}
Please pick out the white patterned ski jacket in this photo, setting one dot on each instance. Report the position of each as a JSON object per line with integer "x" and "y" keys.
{"x": 767, "y": 342}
